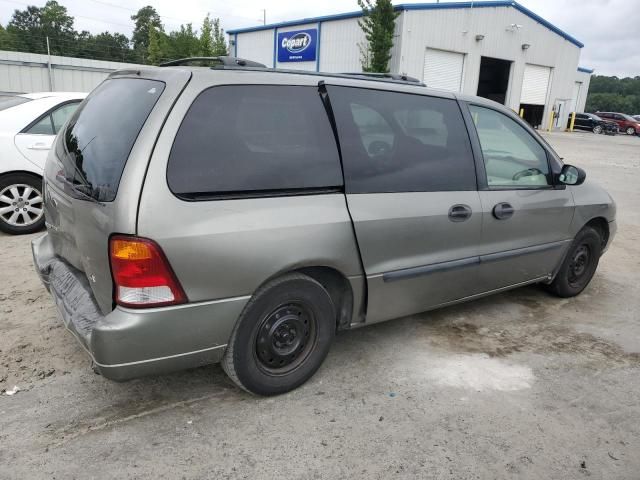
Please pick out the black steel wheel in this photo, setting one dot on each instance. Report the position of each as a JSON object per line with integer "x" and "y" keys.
{"x": 285, "y": 337}
{"x": 282, "y": 336}
{"x": 579, "y": 265}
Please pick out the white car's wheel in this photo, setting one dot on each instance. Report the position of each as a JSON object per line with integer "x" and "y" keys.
{"x": 21, "y": 204}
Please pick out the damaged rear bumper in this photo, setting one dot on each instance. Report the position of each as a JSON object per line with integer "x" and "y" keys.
{"x": 128, "y": 343}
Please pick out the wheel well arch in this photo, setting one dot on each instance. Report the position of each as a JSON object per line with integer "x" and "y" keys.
{"x": 338, "y": 288}
{"x": 601, "y": 225}
{"x": 21, "y": 172}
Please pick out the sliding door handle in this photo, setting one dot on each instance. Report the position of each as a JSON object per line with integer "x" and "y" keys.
{"x": 459, "y": 213}
{"x": 503, "y": 211}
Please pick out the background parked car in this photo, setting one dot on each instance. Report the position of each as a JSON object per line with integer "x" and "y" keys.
{"x": 589, "y": 121}
{"x": 637, "y": 117}
{"x": 28, "y": 125}
{"x": 626, "y": 123}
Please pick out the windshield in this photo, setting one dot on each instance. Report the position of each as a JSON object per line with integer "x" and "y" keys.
{"x": 8, "y": 101}
{"x": 99, "y": 137}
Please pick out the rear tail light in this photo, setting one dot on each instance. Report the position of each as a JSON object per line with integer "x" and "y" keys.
{"x": 141, "y": 274}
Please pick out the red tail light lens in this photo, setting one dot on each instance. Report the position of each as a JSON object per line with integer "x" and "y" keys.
{"x": 142, "y": 275}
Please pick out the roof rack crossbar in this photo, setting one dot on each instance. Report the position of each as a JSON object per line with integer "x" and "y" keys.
{"x": 222, "y": 59}
{"x": 393, "y": 76}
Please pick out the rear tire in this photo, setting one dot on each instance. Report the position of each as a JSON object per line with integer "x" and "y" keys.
{"x": 579, "y": 265}
{"x": 282, "y": 336}
{"x": 21, "y": 204}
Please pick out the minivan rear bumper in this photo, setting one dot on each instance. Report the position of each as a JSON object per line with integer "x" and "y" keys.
{"x": 129, "y": 343}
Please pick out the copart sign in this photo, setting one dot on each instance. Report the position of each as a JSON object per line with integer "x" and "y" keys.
{"x": 297, "y": 46}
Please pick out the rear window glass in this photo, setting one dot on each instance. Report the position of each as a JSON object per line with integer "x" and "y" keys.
{"x": 100, "y": 135}
{"x": 8, "y": 101}
{"x": 254, "y": 138}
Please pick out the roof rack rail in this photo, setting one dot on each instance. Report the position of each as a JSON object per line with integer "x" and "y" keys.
{"x": 392, "y": 76}
{"x": 221, "y": 60}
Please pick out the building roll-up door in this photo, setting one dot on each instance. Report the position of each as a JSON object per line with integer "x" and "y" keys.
{"x": 443, "y": 69}
{"x": 535, "y": 84}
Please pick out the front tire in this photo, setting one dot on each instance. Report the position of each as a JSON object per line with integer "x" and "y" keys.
{"x": 631, "y": 131}
{"x": 597, "y": 129}
{"x": 579, "y": 265}
{"x": 21, "y": 204}
{"x": 282, "y": 336}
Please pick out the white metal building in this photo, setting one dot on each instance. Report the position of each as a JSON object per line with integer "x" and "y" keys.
{"x": 22, "y": 72}
{"x": 496, "y": 49}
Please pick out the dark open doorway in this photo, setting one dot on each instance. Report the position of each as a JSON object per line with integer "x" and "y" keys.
{"x": 532, "y": 114}
{"x": 494, "y": 79}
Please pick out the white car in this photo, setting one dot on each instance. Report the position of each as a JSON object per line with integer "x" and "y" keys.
{"x": 28, "y": 125}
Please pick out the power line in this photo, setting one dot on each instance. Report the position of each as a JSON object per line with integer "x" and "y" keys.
{"x": 79, "y": 16}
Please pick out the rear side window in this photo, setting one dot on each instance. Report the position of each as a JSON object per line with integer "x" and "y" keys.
{"x": 100, "y": 135}
{"x": 252, "y": 138}
{"x": 51, "y": 123}
{"x": 398, "y": 142}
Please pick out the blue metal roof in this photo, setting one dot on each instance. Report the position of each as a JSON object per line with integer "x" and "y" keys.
{"x": 585, "y": 70}
{"x": 419, "y": 6}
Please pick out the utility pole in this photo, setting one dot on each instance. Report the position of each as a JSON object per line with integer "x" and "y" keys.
{"x": 49, "y": 66}
{"x": 264, "y": 16}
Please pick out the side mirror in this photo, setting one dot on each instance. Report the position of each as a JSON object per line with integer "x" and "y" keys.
{"x": 570, "y": 175}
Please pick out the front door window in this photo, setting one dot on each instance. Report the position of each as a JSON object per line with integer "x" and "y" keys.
{"x": 512, "y": 157}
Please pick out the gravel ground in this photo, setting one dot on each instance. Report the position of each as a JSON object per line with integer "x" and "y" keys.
{"x": 519, "y": 384}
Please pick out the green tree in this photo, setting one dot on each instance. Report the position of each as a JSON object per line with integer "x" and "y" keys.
{"x": 154, "y": 52}
{"x": 613, "y": 94}
{"x": 206, "y": 39}
{"x": 145, "y": 19}
{"x": 6, "y": 40}
{"x": 30, "y": 28}
{"x": 378, "y": 24}
{"x": 104, "y": 46}
{"x": 183, "y": 43}
{"x": 219, "y": 42}
{"x": 212, "y": 40}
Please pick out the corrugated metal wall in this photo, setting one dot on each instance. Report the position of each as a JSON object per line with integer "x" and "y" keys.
{"x": 456, "y": 30}
{"x": 339, "y": 43}
{"x": 505, "y": 30}
{"x": 28, "y": 72}
{"x": 257, "y": 46}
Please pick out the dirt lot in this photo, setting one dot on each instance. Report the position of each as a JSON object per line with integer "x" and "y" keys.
{"x": 519, "y": 384}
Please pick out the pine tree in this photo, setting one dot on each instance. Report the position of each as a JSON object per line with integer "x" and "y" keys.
{"x": 206, "y": 39}
{"x": 378, "y": 24}
{"x": 154, "y": 50}
{"x": 219, "y": 42}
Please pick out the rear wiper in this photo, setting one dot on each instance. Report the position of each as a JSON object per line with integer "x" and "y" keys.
{"x": 86, "y": 190}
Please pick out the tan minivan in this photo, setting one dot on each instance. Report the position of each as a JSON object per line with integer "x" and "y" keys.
{"x": 244, "y": 215}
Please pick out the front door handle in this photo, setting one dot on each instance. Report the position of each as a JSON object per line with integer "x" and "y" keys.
{"x": 503, "y": 211}
{"x": 39, "y": 146}
{"x": 459, "y": 213}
